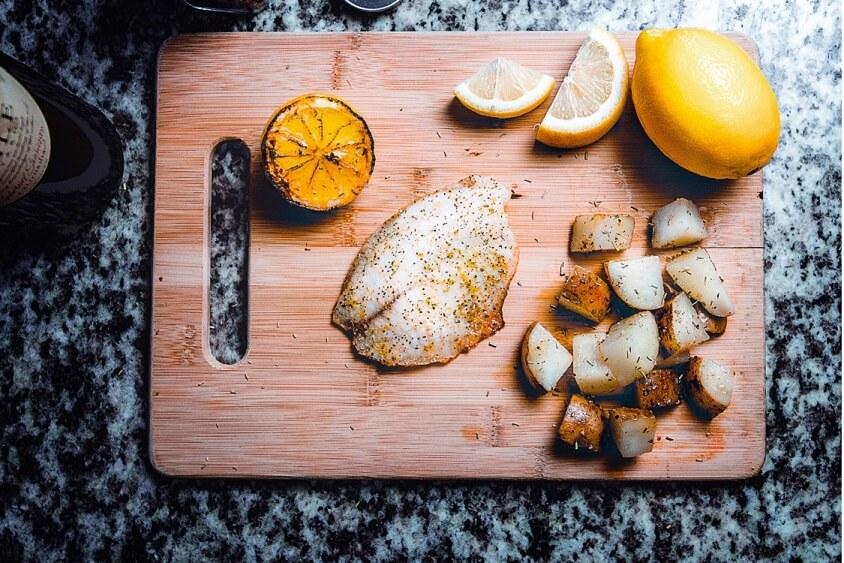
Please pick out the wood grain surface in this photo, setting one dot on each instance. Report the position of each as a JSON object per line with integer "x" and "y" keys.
{"x": 301, "y": 403}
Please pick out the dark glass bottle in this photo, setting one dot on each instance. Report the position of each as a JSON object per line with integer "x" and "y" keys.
{"x": 61, "y": 161}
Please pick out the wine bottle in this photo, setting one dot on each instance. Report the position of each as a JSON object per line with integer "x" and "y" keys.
{"x": 61, "y": 160}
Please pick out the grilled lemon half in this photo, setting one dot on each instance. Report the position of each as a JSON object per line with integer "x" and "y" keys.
{"x": 318, "y": 152}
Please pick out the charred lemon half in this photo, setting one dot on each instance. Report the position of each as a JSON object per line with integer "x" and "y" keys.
{"x": 318, "y": 152}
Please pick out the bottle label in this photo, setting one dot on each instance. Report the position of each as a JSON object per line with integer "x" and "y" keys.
{"x": 24, "y": 141}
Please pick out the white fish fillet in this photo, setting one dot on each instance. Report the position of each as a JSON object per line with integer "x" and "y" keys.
{"x": 431, "y": 282}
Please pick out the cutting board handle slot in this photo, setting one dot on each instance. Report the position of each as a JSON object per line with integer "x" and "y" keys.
{"x": 228, "y": 249}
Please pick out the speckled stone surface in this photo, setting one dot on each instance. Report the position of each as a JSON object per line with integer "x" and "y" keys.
{"x": 75, "y": 479}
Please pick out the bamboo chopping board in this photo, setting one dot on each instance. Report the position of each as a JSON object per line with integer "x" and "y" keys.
{"x": 301, "y": 403}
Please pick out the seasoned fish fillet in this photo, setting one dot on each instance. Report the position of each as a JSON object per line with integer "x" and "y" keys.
{"x": 431, "y": 282}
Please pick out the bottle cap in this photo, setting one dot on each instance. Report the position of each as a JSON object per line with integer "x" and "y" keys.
{"x": 372, "y": 5}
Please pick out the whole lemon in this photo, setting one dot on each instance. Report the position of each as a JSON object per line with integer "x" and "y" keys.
{"x": 704, "y": 103}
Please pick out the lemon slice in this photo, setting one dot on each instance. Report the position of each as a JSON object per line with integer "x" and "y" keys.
{"x": 591, "y": 97}
{"x": 318, "y": 152}
{"x": 503, "y": 88}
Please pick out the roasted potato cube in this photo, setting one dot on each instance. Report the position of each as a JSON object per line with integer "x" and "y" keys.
{"x": 637, "y": 281}
{"x": 631, "y": 347}
{"x": 680, "y": 327}
{"x": 632, "y": 430}
{"x": 677, "y": 224}
{"x": 544, "y": 359}
{"x": 714, "y": 326}
{"x": 582, "y": 424}
{"x": 592, "y": 376}
{"x": 658, "y": 389}
{"x": 710, "y": 386}
{"x": 670, "y": 289}
{"x": 695, "y": 273}
{"x": 586, "y": 294}
{"x": 673, "y": 360}
{"x": 601, "y": 231}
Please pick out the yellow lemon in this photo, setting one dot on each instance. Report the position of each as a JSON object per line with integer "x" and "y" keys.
{"x": 704, "y": 102}
{"x": 318, "y": 152}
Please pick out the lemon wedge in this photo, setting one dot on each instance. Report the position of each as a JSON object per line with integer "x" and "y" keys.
{"x": 591, "y": 98}
{"x": 503, "y": 88}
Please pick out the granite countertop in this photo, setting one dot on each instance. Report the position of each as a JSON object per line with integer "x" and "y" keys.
{"x": 75, "y": 473}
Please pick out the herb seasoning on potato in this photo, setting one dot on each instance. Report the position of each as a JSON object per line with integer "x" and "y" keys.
{"x": 710, "y": 386}
{"x": 582, "y": 425}
{"x": 544, "y": 358}
{"x": 586, "y": 294}
{"x": 658, "y": 389}
{"x": 632, "y": 430}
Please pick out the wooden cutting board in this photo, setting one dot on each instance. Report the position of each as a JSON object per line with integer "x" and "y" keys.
{"x": 300, "y": 403}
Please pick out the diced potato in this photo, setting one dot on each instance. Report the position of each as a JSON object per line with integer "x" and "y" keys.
{"x": 680, "y": 327}
{"x": 637, "y": 282}
{"x": 592, "y": 376}
{"x": 632, "y": 430}
{"x": 714, "y": 326}
{"x": 585, "y": 294}
{"x": 659, "y": 389}
{"x": 695, "y": 273}
{"x": 677, "y": 224}
{"x": 582, "y": 424}
{"x": 670, "y": 289}
{"x": 601, "y": 231}
{"x": 673, "y": 360}
{"x": 544, "y": 359}
{"x": 620, "y": 308}
{"x": 631, "y": 347}
{"x": 710, "y": 386}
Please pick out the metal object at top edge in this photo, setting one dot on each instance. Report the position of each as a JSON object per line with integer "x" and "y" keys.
{"x": 373, "y": 6}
